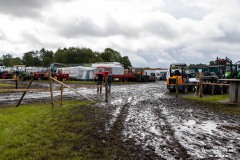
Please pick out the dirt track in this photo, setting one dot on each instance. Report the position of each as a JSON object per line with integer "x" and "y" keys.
{"x": 159, "y": 125}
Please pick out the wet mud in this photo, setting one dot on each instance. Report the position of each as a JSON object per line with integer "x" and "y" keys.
{"x": 143, "y": 121}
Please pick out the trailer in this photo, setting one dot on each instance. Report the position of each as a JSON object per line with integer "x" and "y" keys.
{"x": 73, "y": 72}
{"x": 85, "y": 73}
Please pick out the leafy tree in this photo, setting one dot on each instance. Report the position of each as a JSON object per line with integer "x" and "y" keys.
{"x": 16, "y": 61}
{"x": 59, "y": 55}
{"x": 31, "y": 59}
{"x": 7, "y": 60}
{"x": 110, "y": 55}
{"x": 126, "y": 62}
{"x": 46, "y": 57}
{"x": 71, "y": 56}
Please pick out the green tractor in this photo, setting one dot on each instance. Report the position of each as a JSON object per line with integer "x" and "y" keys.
{"x": 227, "y": 69}
{"x": 233, "y": 72}
{"x": 238, "y": 70}
{"x": 21, "y": 73}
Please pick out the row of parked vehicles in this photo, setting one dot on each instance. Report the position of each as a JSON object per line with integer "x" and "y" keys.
{"x": 105, "y": 68}
{"x": 187, "y": 76}
{"x": 23, "y": 72}
{"x": 87, "y": 73}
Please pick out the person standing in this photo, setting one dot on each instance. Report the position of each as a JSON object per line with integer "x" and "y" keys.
{"x": 99, "y": 81}
{"x": 109, "y": 81}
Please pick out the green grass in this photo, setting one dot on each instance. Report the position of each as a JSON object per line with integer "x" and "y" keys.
{"x": 6, "y": 85}
{"x": 217, "y": 103}
{"x": 40, "y": 132}
{"x": 209, "y": 98}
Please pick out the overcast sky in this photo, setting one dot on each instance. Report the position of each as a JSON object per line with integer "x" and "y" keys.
{"x": 152, "y": 33}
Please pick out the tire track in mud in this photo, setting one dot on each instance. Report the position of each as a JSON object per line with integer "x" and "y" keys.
{"x": 197, "y": 130}
{"x": 166, "y": 126}
{"x": 150, "y": 128}
{"x": 173, "y": 145}
{"x": 125, "y": 149}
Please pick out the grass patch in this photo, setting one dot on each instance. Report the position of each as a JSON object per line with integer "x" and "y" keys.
{"x": 217, "y": 103}
{"x": 39, "y": 132}
{"x": 209, "y": 98}
{"x": 6, "y": 85}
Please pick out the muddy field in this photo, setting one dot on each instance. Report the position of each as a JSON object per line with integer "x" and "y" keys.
{"x": 156, "y": 124}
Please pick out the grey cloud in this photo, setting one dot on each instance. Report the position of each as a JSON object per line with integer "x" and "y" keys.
{"x": 230, "y": 37}
{"x": 22, "y": 8}
{"x": 87, "y": 27}
{"x": 181, "y": 9}
{"x": 35, "y": 42}
{"x": 2, "y": 35}
{"x": 83, "y": 27}
{"x": 161, "y": 29}
{"x": 114, "y": 28}
{"x": 30, "y": 38}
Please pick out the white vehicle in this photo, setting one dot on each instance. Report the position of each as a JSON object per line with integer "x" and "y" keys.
{"x": 85, "y": 73}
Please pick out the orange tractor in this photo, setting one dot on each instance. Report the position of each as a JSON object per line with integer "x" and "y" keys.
{"x": 177, "y": 75}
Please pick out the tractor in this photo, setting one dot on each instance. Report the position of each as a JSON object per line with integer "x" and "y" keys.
{"x": 238, "y": 70}
{"x": 227, "y": 69}
{"x": 177, "y": 73}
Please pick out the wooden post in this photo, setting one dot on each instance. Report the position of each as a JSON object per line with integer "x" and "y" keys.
{"x": 70, "y": 88}
{"x": 238, "y": 95}
{"x": 233, "y": 92}
{"x": 51, "y": 89}
{"x": 19, "y": 102}
{"x": 61, "y": 94}
{"x": 201, "y": 85}
{"x": 213, "y": 89}
{"x": 106, "y": 89}
{"x": 177, "y": 87}
{"x": 16, "y": 83}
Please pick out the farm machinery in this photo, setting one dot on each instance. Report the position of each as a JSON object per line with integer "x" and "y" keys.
{"x": 178, "y": 77}
{"x": 121, "y": 74}
{"x": 227, "y": 69}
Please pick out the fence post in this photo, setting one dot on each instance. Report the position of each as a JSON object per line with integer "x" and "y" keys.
{"x": 61, "y": 94}
{"x": 201, "y": 85}
{"x": 177, "y": 87}
{"x": 16, "y": 80}
{"x": 106, "y": 89}
{"x": 51, "y": 90}
{"x": 213, "y": 88}
{"x": 19, "y": 102}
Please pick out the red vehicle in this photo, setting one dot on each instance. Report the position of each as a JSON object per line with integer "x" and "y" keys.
{"x": 63, "y": 74}
{"x": 41, "y": 75}
{"x": 118, "y": 72}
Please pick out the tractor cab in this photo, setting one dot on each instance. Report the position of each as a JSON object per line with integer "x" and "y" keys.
{"x": 178, "y": 75}
{"x": 228, "y": 70}
{"x": 238, "y": 70}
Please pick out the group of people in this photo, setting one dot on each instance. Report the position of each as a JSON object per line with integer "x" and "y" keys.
{"x": 99, "y": 78}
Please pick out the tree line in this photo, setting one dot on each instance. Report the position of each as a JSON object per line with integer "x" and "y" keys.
{"x": 71, "y": 55}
